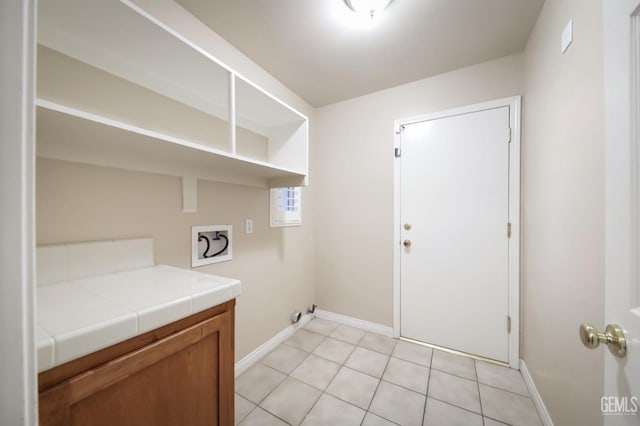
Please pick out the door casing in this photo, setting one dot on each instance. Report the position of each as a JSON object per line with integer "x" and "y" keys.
{"x": 621, "y": 20}
{"x": 514, "y": 104}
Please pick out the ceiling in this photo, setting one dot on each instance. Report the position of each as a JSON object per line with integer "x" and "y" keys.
{"x": 326, "y": 53}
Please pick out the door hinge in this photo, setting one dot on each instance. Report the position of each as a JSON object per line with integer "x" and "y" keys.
{"x": 509, "y": 135}
{"x": 508, "y": 324}
{"x": 509, "y": 230}
{"x": 400, "y": 129}
{"x": 397, "y": 152}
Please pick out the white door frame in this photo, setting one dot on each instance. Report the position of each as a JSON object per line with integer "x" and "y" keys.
{"x": 514, "y": 214}
{"x": 622, "y": 203}
{"x": 18, "y": 387}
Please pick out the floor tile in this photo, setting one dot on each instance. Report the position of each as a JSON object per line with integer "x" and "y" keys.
{"x": 368, "y": 362}
{"x": 491, "y": 422}
{"x": 256, "y": 383}
{"x": 347, "y": 334}
{"x": 259, "y": 417}
{"x": 454, "y": 364}
{"x": 321, "y": 326}
{"x": 334, "y": 350}
{"x": 372, "y": 420}
{"x": 242, "y": 408}
{"x": 398, "y": 404}
{"x": 407, "y": 374}
{"x": 501, "y": 377}
{"x": 354, "y": 387}
{"x": 285, "y": 358}
{"x": 440, "y": 413}
{"x": 455, "y": 390}
{"x": 316, "y": 371}
{"x": 332, "y": 411}
{"x": 291, "y": 400}
{"x": 412, "y": 352}
{"x": 305, "y": 340}
{"x": 508, "y": 407}
{"x": 378, "y": 343}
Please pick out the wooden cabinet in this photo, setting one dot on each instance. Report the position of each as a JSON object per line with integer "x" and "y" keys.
{"x": 180, "y": 374}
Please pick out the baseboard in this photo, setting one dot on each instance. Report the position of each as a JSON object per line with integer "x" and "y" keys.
{"x": 535, "y": 396}
{"x": 242, "y": 365}
{"x": 354, "y": 322}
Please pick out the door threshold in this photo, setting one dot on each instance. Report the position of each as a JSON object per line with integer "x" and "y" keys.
{"x": 454, "y": 352}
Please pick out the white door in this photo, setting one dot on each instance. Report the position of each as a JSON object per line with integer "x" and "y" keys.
{"x": 454, "y": 215}
{"x": 621, "y": 401}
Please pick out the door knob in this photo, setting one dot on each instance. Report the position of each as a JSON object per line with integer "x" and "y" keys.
{"x": 612, "y": 337}
{"x": 407, "y": 243}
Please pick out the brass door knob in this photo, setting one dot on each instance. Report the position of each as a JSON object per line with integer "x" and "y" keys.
{"x": 407, "y": 243}
{"x": 613, "y": 337}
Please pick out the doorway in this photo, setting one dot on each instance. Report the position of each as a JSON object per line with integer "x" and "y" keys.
{"x": 457, "y": 230}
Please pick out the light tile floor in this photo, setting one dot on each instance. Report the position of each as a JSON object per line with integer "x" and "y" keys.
{"x": 334, "y": 375}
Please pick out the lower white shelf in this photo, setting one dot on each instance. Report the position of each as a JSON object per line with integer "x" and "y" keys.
{"x": 65, "y": 133}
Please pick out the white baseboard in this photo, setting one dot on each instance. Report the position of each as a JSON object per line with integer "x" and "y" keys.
{"x": 356, "y": 323}
{"x": 535, "y": 396}
{"x": 242, "y": 365}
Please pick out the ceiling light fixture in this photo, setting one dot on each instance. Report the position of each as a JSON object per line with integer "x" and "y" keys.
{"x": 370, "y": 7}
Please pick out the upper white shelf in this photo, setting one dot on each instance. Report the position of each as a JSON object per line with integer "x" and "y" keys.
{"x": 116, "y": 88}
{"x": 66, "y": 133}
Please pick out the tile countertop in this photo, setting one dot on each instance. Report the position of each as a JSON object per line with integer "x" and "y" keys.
{"x": 76, "y": 318}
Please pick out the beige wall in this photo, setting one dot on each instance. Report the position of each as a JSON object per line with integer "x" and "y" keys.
{"x": 77, "y": 202}
{"x": 352, "y": 172}
{"x": 81, "y": 203}
{"x": 563, "y": 209}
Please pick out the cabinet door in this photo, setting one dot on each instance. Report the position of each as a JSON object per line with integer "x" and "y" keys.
{"x": 183, "y": 379}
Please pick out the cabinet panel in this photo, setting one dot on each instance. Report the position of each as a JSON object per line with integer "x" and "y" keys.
{"x": 184, "y": 378}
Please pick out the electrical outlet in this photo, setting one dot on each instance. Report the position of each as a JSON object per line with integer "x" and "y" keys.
{"x": 248, "y": 226}
{"x": 210, "y": 244}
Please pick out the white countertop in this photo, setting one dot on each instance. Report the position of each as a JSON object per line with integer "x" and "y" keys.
{"x": 78, "y": 317}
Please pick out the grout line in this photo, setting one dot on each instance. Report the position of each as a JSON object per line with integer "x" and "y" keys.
{"x": 275, "y": 387}
{"x": 246, "y": 415}
{"x": 378, "y": 387}
{"x": 506, "y": 390}
{"x": 426, "y": 393}
{"x": 454, "y": 375}
{"x": 456, "y": 406}
{"x": 475, "y": 370}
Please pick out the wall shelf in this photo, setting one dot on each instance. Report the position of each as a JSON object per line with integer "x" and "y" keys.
{"x": 65, "y": 133}
{"x": 116, "y": 89}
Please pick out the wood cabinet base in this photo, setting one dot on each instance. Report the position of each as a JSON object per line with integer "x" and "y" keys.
{"x": 180, "y": 374}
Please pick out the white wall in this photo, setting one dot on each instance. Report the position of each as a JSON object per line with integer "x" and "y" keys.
{"x": 352, "y": 170}
{"x": 563, "y": 209}
{"x": 17, "y": 354}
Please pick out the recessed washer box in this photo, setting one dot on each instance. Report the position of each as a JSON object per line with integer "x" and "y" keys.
{"x": 210, "y": 244}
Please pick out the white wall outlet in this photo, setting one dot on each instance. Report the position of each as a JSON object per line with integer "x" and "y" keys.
{"x": 567, "y": 36}
{"x": 210, "y": 244}
{"x": 248, "y": 226}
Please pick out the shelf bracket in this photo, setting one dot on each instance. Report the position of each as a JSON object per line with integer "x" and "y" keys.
{"x": 189, "y": 194}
